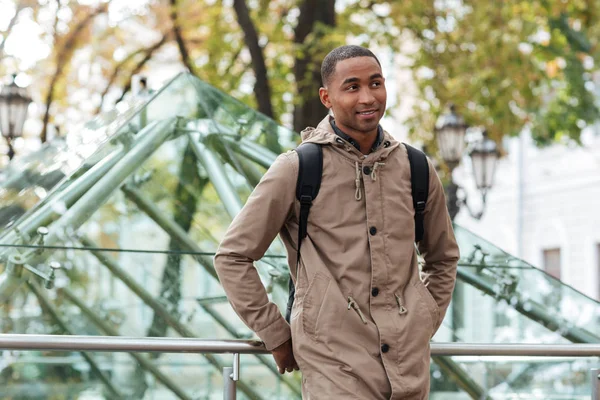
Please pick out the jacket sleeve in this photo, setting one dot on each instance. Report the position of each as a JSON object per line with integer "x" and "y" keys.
{"x": 438, "y": 246}
{"x": 246, "y": 240}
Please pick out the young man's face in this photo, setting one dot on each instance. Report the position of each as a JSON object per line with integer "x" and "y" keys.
{"x": 356, "y": 94}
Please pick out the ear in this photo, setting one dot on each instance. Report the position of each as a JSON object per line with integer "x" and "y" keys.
{"x": 324, "y": 95}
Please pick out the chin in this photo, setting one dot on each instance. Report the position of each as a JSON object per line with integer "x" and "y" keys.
{"x": 367, "y": 127}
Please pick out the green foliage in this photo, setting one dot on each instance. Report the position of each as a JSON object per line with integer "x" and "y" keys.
{"x": 506, "y": 65}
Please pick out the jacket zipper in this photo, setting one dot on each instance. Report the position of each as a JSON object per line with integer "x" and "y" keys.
{"x": 401, "y": 308}
{"x": 352, "y": 304}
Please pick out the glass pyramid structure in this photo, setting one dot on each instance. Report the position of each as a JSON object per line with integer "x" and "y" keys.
{"x": 111, "y": 231}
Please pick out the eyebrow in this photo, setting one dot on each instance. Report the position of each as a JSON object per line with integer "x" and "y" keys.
{"x": 350, "y": 80}
{"x": 354, "y": 79}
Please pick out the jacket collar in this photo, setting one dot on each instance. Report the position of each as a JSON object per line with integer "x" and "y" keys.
{"x": 324, "y": 134}
{"x": 353, "y": 142}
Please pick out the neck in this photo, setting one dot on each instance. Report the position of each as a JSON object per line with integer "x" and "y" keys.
{"x": 364, "y": 140}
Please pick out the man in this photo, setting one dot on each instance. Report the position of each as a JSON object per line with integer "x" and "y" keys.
{"x": 362, "y": 317}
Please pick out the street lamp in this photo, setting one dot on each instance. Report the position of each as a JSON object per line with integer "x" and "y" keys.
{"x": 14, "y": 102}
{"x": 450, "y": 130}
{"x": 484, "y": 155}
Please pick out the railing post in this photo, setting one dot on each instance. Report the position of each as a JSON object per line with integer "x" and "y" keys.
{"x": 228, "y": 384}
{"x": 230, "y": 376}
{"x": 596, "y": 384}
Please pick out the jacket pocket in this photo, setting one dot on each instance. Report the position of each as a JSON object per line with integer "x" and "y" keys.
{"x": 313, "y": 304}
{"x": 430, "y": 303}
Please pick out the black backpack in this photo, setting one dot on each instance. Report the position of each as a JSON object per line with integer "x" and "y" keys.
{"x": 310, "y": 171}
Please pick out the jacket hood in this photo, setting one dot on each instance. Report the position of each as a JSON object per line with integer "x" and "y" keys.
{"x": 324, "y": 134}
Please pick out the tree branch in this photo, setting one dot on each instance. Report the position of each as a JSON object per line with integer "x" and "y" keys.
{"x": 139, "y": 66}
{"x": 177, "y": 31}
{"x": 148, "y": 53}
{"x": 64, "y": 55}
{"x": 11, "y": 24}
{"x": 262, "y": 89}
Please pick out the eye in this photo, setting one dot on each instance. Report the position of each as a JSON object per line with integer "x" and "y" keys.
{"x": 376, "y": 84}
{"x": 352, "y": 87}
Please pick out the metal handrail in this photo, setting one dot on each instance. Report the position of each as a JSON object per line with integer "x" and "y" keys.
{"x": 192, "y": 345}
{"x": 237, "y": 347}
{"x": 129, "y": 344}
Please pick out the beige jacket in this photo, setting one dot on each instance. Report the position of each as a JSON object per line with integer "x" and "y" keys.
{"x": 363, "y": 317}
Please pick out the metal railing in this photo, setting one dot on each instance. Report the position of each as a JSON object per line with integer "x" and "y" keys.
{"x": 595, "y": 384}
{"x": 236, "y": 347}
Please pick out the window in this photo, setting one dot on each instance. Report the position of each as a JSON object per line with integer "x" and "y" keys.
{"x": 552, "y": 262}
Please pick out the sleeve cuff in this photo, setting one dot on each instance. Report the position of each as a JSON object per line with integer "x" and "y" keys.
{"x": 275, "y": 334}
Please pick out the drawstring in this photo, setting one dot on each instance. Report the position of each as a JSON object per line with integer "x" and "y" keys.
{"x": 352, "y": 304}
{"x": 374, "y": 171}
{"x": 358, "y": 194}
{"x": 377, "y": 165}
{"x": 401, "y": 308}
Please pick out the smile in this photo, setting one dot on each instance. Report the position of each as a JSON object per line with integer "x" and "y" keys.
{"x": 367, "y": 113}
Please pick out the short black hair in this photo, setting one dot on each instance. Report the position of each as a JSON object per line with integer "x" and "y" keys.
{"x": 340, "y": 54}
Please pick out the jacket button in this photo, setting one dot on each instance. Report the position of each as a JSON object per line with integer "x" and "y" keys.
{"x": 373, "y": 230}
{"x": 374, "y": 292}
{"x": 385, "y": 348}
{"x": 367, "y": 170}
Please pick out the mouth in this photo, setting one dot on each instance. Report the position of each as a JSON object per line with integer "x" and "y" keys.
{"x": 367, "y": 113}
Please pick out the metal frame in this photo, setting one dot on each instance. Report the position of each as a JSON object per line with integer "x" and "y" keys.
{"x": 144, "y": 361}
{"x": 237, "y": 347}
{"x": 218, "y": 177}
{"x": 532, "y": 310}
{"x": 160, "y": 310}
{"x": 595, "y": 384}
{"x": 215, "y": 346}
{"x": 52, "y": 311}
{"x": 149, "y": 139}
{"x": 10, "y": 280}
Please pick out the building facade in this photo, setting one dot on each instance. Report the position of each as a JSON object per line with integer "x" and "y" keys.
{"x": 544, "y": 208}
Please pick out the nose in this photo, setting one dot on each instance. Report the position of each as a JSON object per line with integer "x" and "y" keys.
{"x": 366, "y": 97}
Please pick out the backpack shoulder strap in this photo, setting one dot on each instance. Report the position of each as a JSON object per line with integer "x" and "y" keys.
{"x": 419, "y": 180}
{"x": 310, "y": 171}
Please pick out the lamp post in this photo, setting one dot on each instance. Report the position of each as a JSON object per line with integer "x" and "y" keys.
{"x": 450, "y": 133}
{"x": 14, "y": 102}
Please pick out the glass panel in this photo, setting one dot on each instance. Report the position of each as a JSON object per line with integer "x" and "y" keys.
{"x": 29, "y": 181}
{"x": 535, "y": 303}
{"x": 66, "y": 375}
{"x": 474, "y": 316}
{"x": 69, "y": 375}
{"x": 128, "y": 293}
{"x": 519, "y": 378}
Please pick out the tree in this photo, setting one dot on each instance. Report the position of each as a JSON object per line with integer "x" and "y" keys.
{"x": 262, "y": 88}
{"x": 507, "y": 65}
{"x": 65, "y": 46}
